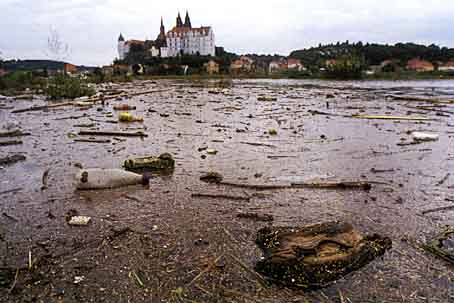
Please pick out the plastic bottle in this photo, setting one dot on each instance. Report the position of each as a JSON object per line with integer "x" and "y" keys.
{"x": 99, "y": 178}
{"x": 420, "y": 136}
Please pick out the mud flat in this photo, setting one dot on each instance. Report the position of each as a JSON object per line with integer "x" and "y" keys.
{"x": 184, "y": 240}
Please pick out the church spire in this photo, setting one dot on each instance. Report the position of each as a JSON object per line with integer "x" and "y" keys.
{"x": 162, "y": 31}
{"x": 179, "y": 21}
{"x": 187, "y": 21}
{"x": 120, "y": 39}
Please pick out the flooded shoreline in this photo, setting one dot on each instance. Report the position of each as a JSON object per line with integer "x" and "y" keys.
{"x": 165, "y": 237}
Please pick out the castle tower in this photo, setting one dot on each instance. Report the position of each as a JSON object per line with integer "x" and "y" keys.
{"x": 162, "y": 31}
{"x": 161, "y": 39}
{"x": 187, "y": 21}
{"x": 121, "y": 47}
{"x": 179, "y": 21}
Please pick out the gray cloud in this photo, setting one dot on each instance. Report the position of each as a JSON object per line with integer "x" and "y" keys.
{"x": 92, "y": 27}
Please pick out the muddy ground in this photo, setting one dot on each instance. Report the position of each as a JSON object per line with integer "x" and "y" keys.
{"x": 160, "y": 244}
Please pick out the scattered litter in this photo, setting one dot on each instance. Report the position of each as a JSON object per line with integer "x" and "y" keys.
{"x": 164, "y": 161}
{"x": 12, "y": 159}
{"x": 212, "y": 177}
{"x": 266, "y": 98}
{"x": 127, "y": 117}
{"x": 272, "y": 131}
{"x": 98, "y": 178}
{"x": 79, "y": 220}
{"x": 211, "y": 151}
{"x": 256, "y": 217}
{"x": 420, "y": 136}
{"x": 78, "y": 279}
{"x": 443, "y": 245}
{"x": 124, "y": 107}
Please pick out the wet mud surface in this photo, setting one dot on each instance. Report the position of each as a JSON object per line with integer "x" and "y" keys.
{"x": 180, "y": 239}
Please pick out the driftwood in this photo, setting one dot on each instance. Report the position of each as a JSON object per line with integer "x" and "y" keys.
{"x": 256, "y": 186}
{"x": 13, "y": 142}
{"x": 391, "y": 118}
{"x": 220, "y": 196}
{"x": 256, "y": 217}
{"x": 92, "y": 140}
{"x": 421, "y": 99}
{"x": 14, "y": 133}
{"x": 428, "y": 211}
{"x": 257, "y": 144}
{"x": 314, "y": 255}
{"x": 335, "y": 185}
{"x": 112, "y": 133}
{"x": 12, "y": 159}
{"x": 437, "y": 245}
{"x": 43, "y": 107}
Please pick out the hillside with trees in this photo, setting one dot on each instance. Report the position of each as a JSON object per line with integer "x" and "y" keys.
{"x": 373, "y": 53}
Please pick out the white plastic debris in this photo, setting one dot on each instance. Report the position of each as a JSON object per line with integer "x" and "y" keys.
{"x": 79, "y": 220}
{"x": 420, "y": 136}
{"x": 78, "y": 279}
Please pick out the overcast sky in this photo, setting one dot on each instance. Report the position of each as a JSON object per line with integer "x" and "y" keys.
{"x": 91, "y": 27}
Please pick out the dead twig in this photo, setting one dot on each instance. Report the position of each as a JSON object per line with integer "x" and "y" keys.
{"x": 44, "y": 179}
{"x": 14, "y": 282}
{"x": 205, "y": 270}
{"x": 428, "y": 211}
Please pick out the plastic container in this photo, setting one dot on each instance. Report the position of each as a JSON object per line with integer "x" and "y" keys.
{"x": 420, "y": 136}
{"x": 98, "y": 178}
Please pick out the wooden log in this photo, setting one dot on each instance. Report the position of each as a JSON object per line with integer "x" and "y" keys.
{"x": 334, "y": 185}
{"x": 112, "y": 133}
{"x": 14, "y": 133}
{"x": 43, "y": 107}
{"x": 14, "y": 142}
{"x": 390, "y": 118}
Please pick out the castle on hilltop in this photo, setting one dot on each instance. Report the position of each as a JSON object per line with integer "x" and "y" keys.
{"x": 183, "y": 39}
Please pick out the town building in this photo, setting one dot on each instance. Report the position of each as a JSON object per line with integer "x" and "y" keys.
{"x": 285, "y": 64}
{"x": 447, "y": 67}
{"x": 420, "y": 65}
{"x": 277, "y": 66}
{"x": 183, "y": 39}
{"x": 69, "y": 69}
{"x": 212, "y": 67}
{"x": 243, "y": 64}
{"x": 295, "y": 64}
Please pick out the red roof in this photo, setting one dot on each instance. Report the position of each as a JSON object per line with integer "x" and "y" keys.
{"x": 293, "y": 61}
{"x": 419, "y": 64}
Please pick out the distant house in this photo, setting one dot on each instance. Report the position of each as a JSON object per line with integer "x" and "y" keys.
{"x": 295, "y": 64}
{"x": 447, "y": 67}
{"x": 277, "y": 66}
{"x": 69, "y": 68}
{"x": 108, "y": 70}
{"x": 420, "y": 65}
{"x": 121, "y": 68}
{"x": 330, "y": 62}
{"x": 212, "y": 67}
{"x": 243, "y": 64}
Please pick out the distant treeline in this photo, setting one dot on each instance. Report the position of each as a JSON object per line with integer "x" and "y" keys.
{"x": 373, "y": 53}
{"x": 32, "y": 65}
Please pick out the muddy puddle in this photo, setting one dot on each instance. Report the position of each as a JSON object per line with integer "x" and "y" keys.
{"x": 170, "y": 243}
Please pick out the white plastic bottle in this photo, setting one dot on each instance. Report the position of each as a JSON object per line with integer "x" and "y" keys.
{"x": 99, "y": 178}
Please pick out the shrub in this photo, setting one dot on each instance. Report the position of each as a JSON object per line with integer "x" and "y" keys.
{"x": 64, "y": 86}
